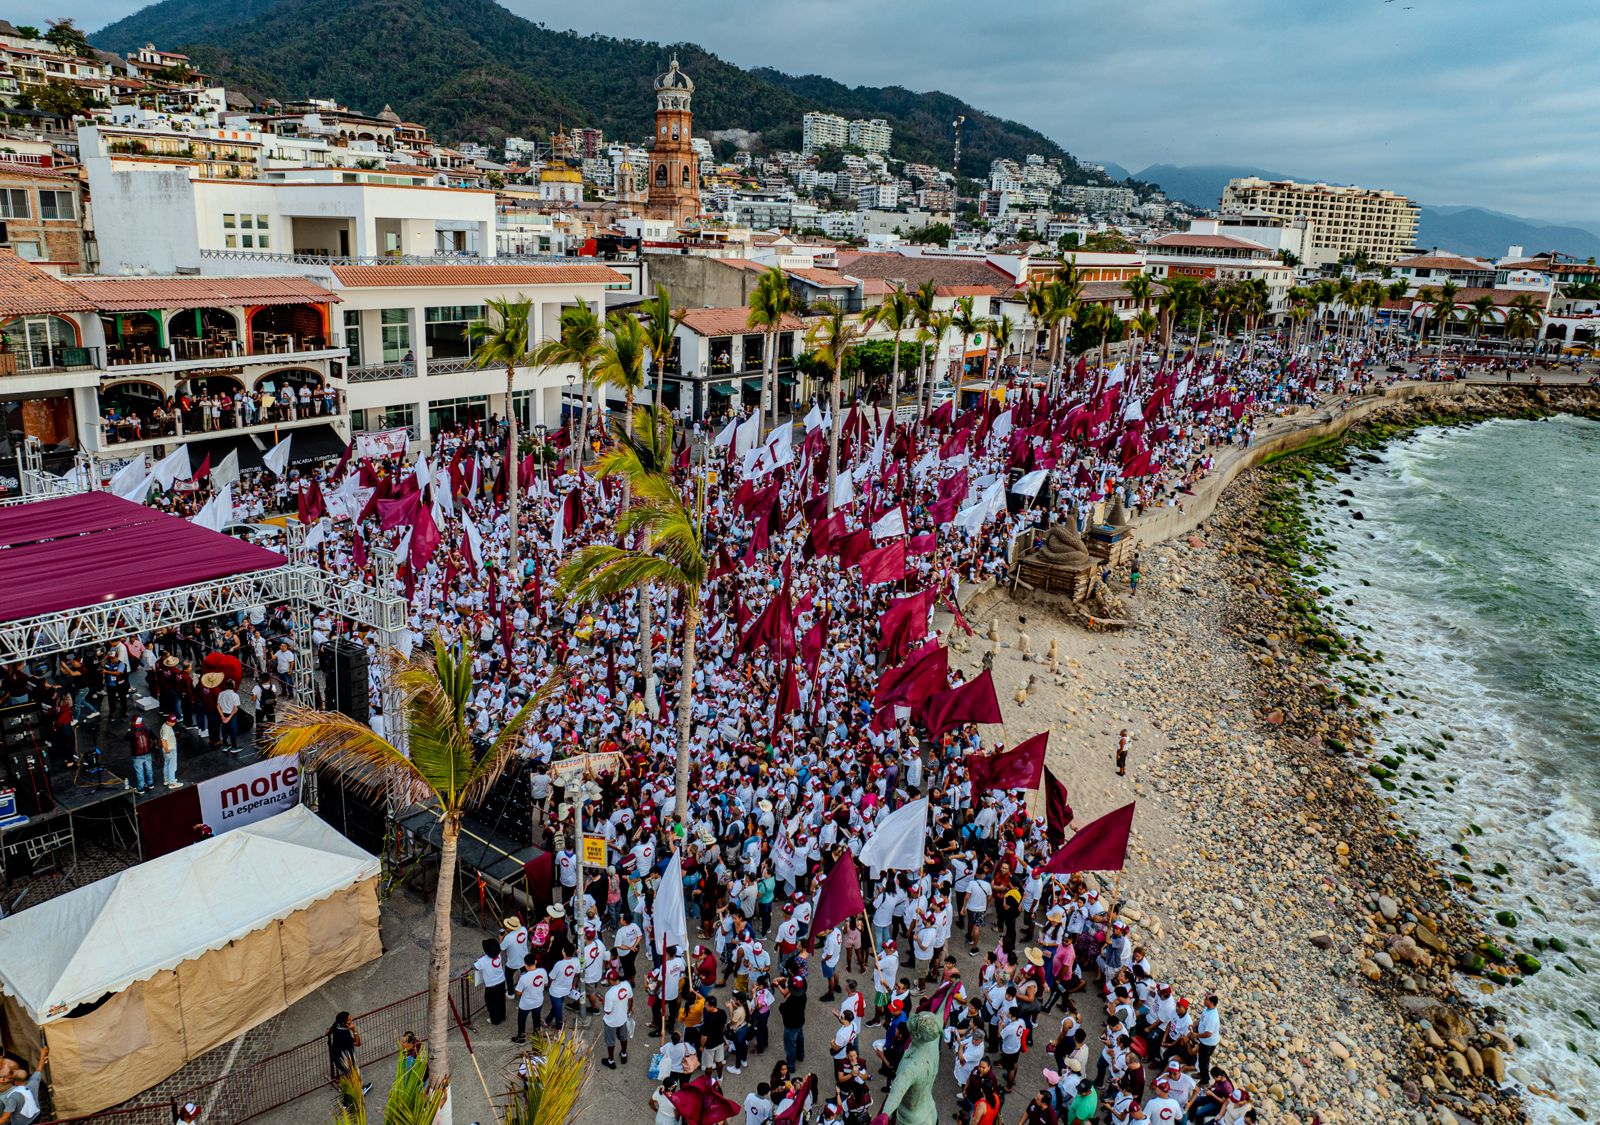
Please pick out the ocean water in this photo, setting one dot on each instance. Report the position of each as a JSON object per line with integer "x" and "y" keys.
{"x": 1476, "y": 572}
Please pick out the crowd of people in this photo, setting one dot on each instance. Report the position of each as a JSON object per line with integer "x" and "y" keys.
{"x": 791, "y": 772}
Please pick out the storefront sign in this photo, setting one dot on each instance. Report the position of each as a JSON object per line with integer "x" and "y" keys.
{"x": 249, "y": 794}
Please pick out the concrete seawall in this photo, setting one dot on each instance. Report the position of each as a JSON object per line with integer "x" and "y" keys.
{"x": 1280, "y": 436}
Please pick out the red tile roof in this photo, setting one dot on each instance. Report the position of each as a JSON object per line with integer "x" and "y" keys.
{"x": 915, "y": 269}
{"x": 135, "y": 294}
{"x": 27, "y": 290}
{"x": 1442, "y": 262}
{"x": 469, "y": 274}
{"x": 730, "y": 322}
{"x": 967, "y": 290}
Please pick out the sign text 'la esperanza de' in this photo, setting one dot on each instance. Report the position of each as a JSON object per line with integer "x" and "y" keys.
{"x": 249, "y": 793}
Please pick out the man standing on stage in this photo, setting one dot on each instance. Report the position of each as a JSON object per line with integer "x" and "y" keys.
{"x": 169, "y": 751}
{"x": 142, "y": 747}
{"x": 228, "y": 714}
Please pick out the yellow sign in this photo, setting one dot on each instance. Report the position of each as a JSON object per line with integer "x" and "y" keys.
{"x": 594, "y": 851}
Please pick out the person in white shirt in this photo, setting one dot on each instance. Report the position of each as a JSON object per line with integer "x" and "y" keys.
{"x": 626, "y": 944}
{"x": 530, "y": 1000}
{"x": 884, "y": 972}
{"x": 758, "y": 1105}
{"x": 513, "y": 947}
{"x": 618, "y": 1012}
{"x": 1163, "y": 1109}
{"x": 489, "y": 972}
{"x": 832, "y": 950}
{"x": 977, "y": 905}
{"x": 563, "y": 980}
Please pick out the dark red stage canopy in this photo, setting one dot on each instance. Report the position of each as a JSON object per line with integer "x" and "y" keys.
{"x": 94, "y": 547}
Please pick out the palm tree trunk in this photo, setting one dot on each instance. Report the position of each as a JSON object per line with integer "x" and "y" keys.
{"x": 439, "y": 955}
{"x": 922, "y": 378}
{"x": 833, "y": 431}
{"x": 583, "y": 422}
{"x": 655, "y": 400}
{"x": 691, "y": 619}
{"x": 769, "y": 371}
{"x": 513, "y": 490}
{"x": 894, "y": 385}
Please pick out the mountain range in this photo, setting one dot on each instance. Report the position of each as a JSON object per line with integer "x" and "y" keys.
{"x": 470, "y": 69}
{"x": 1464, "y": 230}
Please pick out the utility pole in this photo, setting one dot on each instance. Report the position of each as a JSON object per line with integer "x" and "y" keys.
{"x": 955, "y": 220}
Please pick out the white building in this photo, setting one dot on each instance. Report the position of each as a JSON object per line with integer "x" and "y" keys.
{"x": 1292, "y": 236}
{"x": 823, "y": 130}
{"x": 406, "y": 330}
{"x": 870, "y": 136}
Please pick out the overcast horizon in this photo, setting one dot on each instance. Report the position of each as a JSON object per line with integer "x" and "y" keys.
{"x": 1448, "y": 103}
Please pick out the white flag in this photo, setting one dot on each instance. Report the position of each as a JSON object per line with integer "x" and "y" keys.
{"x": 814, "y": 418}
{"x": 141, "y": 491}
{"x": 277, "y": 458}
{"x": 318, "y": 533}
{"x": 558, "y": 527}
{"x": 777, "y": 451}
{"x": 1002, "y": 425}
{"x": 128, "y": 479}
{"x": 1134, "y": 411}
{"x": 897, "y": 842}
{"x": 927, "y": 462}
{"x": 174, "y": 466}
{"x": 891, "y": 524}
{"x": 669, "y": 921}
{"x": 424, "y": 474}
{"x": 1117, "y": 375}
{"x": 748, "y": 435}
{"x": 844, "y": 490}
{"x": 226, "y": 471}
{"x": 725, "y": 435}
{"x": 1029, "y": 485}
{"x": 474, "y": 540}
{"x": 218, "y": 512}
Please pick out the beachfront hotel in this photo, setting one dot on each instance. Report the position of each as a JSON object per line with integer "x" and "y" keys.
{"x": 1343, "y": 220}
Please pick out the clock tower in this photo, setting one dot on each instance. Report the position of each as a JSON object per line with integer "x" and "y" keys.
{"x": 674, "y": 165}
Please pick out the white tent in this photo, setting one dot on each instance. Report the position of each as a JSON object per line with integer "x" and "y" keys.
{"x": 176, "y": 956}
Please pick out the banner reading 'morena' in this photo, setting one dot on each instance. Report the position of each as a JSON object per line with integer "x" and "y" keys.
{"x": 249, "y": 794}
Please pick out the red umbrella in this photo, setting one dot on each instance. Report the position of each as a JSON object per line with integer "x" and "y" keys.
{"x": 701, "y": 1103}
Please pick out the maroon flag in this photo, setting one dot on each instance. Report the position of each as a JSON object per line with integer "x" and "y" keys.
{"x": 1018, "y": 768}
{"x": 884, "y": 564}
{"x": 788, "y": 700}
{"x": 701, "y": 1103}
{"x": 1100, "y": 846}
{"x": 774, "y": 628}
{"x": 425, "y": 539}
{"x": 904, "y": 623}
{"x": 799, "y": 1101}
{"x": 572, "y": 512}
{"x": 398, "y": 513}
{"x": 203, "y": 471}
{"x": 925, "y": 671}
{"x": 311, "y": 505}
{"x": 851, "y": 547}
{"x": 941, "y": 417}
{"x": 1058, "y": 813}
{"x": 815, "y": 640}
{"x": 358, "y": 552}
{"x": 840, "y": 897}
{"x": 971, "y": 702}
{"x": 924, "y": 544}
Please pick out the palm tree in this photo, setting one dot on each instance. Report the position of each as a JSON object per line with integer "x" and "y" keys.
{"x": 1144, "y": 325}
{"x": 939, "y": 327}
{"x": 503, "y": 342}
{"x": 440, "y": 759}
{"x": 1036, "y": 302}
{"x": 771, "y": 301}
{"x": 1444, "y": 307}
{"x": 964, "y": 322}
{"x": 834, "y": 334}
{"x": 1523, "y": 317}
{"x": 1002, "y": 328}
{"x": 1324, "y": 293}
{"x": 670, "y": 554}
{"x": 577, "y": 342}
{"x": 550, "y": 1095}
{"x": 896, "y": 313}
{"x": 661, "y": 333}
{"x": 1345, "y": 290}
{"x": 922, "y": 300}
{"x": 411, "y": 1100}
{"x": 1139, "y": 287}
{"x": 1479, "y": 309}
{"x": 1169, "y": 307}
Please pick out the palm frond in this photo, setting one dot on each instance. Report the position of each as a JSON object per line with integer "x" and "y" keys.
{"x": 603, "y": 572}
{"x": 557, "y": 1074}
{"x": 367, "y": 760}
{"x": 354, "y": 1109}
{"x": 410, "y": 1101}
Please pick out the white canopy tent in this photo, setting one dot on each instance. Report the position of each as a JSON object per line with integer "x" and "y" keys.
{"x": 130, "y": 977}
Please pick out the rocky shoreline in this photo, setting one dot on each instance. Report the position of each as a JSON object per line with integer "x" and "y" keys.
{"x": 1403, "y": 929}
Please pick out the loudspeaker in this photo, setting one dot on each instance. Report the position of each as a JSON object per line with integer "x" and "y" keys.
{"x": 348, "y": 679}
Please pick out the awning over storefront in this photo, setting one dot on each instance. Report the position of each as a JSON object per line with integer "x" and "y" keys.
{"x": 313, "y": 444}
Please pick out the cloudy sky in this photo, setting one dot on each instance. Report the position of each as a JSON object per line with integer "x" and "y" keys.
{"x": 1449, "y": 101}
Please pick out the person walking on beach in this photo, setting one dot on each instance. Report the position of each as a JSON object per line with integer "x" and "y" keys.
{"x": 1122, "y": 753}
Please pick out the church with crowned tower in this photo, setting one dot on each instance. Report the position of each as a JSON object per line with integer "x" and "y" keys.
{"x": 674, "y": 165}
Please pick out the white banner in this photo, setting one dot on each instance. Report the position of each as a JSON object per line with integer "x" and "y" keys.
{"x": 383, "y": 443}
{"x": 249, "y": 794}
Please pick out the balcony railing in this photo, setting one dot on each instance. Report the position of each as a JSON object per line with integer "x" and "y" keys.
{"x": 197, "y": 420}
{"x": 463, "y": 259}
{"x": 451, "y": 366}
{"x": 379, "y": 372}
{"x": 48, "y": 357}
